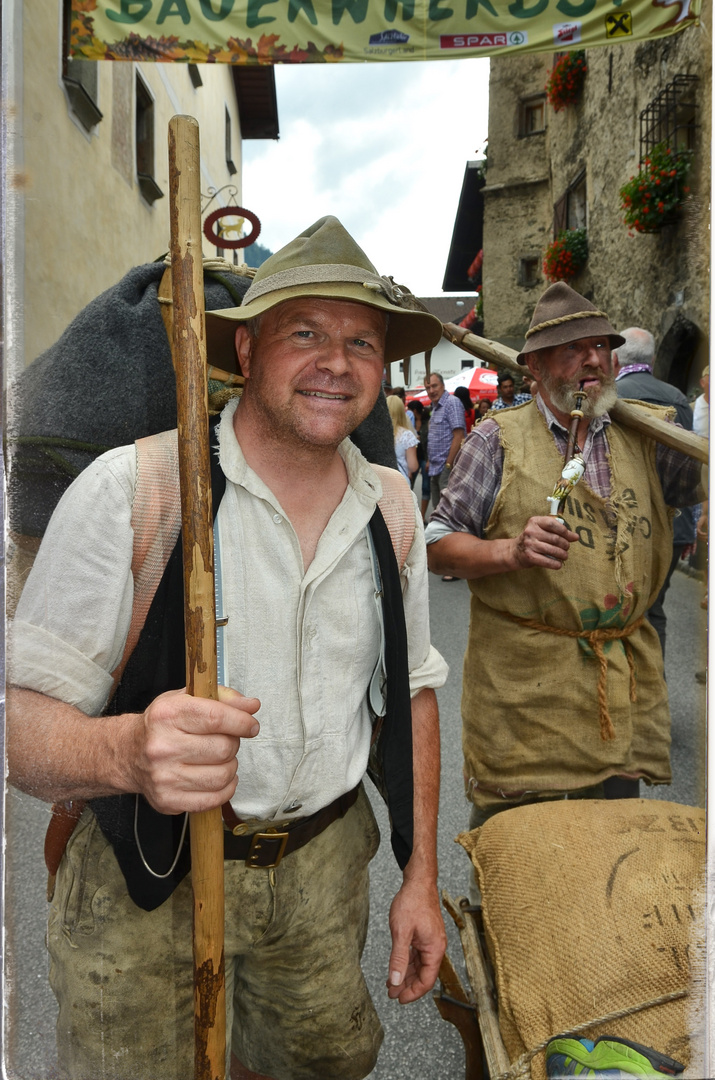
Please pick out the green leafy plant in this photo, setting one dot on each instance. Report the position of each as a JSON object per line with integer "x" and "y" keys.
{"x": 566, "y": 255}
{"x": 651, "y": 197}
{"x": 566, "y": 79}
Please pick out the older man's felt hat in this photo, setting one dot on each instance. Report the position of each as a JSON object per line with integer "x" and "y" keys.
{"x": 324, "y": 261}
{"x": 563, "y": 315}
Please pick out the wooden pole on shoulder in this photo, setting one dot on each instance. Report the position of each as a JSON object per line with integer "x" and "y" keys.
{"x": 189, "y": 349}
{"x": 687, "y": 442}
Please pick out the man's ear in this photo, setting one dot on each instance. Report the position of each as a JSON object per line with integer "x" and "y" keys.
{"x": 532, "y": 363}
{"x": 244, "y": 347}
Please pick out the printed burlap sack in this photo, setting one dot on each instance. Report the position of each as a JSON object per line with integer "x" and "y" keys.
{"x": 590, "y": 908}
{"x": 573, "y": 728}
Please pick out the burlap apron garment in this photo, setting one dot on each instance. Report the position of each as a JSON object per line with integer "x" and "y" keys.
{"x": 591, "y": 909}
{"x": 532, "y": 720}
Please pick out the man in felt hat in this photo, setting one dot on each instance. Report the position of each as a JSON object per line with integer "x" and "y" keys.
{"x": 327, "y": 651}
{"x": 564, "y": 598}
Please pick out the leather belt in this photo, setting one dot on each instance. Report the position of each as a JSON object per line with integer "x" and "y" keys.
{"x": 265, "y": 849}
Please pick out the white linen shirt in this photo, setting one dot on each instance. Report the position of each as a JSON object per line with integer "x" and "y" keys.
{"x": 304, "y": 643}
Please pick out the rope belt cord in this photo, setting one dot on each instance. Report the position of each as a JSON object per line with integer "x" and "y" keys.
{"x": 565, "y": 319}
{"x": 596, "y": 639}
{"x": 520, "y": 1069}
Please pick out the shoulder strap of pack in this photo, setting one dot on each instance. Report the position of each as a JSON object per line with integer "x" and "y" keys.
{"x": 156, "y": 523}
{"x": 398, "y": 509}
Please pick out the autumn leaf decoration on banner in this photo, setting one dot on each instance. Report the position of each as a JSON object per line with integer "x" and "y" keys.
{"x": 236, "y": 51}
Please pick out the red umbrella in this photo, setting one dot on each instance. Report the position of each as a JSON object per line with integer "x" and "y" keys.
{"x": 480, "y": 382}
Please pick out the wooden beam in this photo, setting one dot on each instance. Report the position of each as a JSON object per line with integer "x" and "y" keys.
{"x": 687, "y": 442}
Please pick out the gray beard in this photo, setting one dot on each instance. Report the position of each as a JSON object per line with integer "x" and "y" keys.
{"x": 562, "y": 396}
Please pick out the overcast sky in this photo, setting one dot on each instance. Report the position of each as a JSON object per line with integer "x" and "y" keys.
{"x": 383, "y": 147}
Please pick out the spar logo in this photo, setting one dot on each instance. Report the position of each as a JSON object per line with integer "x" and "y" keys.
{"x": 389, "y": 37}
{"x": 568, "y": 33}
{"x": 482, "y": 41}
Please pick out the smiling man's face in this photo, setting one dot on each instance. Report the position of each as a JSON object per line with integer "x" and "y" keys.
{"x": 315, "y": 369}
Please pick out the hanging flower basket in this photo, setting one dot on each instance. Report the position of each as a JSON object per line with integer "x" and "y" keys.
{"x": 651, "y": 199}
{"x": 566, "y": 255}
{"x": 566, "y": 79}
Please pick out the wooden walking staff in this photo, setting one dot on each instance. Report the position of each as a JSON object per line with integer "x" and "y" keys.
{"x": 189, "y": 349}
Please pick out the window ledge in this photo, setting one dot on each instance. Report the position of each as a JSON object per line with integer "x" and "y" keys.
{"x": 82, "y": 104}
{"x": 149, "y": 188}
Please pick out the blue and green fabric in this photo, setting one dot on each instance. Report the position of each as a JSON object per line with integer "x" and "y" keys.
{"x": 608, "y": 1057}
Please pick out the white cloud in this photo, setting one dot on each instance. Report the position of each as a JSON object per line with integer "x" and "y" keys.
{"x": 383, "y": 147}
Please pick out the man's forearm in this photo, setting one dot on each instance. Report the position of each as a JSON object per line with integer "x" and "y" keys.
{"x": 418, "y": 935}
{"x": 426, "y": 766}
{"x": 463, "y": 555}
{"x": 458, "y": 436}
{"x": 180, "y": 753}
{"x": 56, "y": 752}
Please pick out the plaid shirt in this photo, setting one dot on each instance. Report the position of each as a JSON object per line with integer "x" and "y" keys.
{"x": 519, "y": 399}
{"x": 467, "y": 503}
{"x": 447, "y": 416}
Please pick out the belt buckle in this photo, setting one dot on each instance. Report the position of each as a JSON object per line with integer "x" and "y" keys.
{"x": 256, "y": 846}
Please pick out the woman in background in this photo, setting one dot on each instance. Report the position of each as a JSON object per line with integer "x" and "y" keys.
{"x": 405, "y": 439}
{"x": 469, "y": 415}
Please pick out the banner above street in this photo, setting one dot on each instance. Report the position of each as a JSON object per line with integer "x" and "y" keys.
{"x": 329, "y": 31}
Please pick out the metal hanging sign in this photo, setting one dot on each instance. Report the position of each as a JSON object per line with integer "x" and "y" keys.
{"x": 320, "y": 31}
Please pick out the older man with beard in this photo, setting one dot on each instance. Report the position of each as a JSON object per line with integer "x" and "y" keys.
{"x": 562, "y": 601}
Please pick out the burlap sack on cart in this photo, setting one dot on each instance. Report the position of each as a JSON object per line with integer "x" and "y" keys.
{"x": 592, "y": 907}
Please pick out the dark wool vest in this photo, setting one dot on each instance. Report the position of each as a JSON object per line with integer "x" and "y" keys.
{"x": 158, "y": 664}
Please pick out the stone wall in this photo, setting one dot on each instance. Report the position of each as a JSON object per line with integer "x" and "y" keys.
{"x": 517, "y": 198}
{"x": 658, "y": 280}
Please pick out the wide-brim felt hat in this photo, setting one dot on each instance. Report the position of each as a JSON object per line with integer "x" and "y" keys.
{"x": 324, "y": 261}
{"x": 563, "y": 315}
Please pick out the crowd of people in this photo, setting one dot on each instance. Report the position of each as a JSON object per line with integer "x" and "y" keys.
{"x": 329, "y": 671}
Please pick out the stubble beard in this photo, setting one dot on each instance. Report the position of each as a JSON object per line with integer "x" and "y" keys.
{"x": 287, "y": 424}
{"x": 597, "y": 400}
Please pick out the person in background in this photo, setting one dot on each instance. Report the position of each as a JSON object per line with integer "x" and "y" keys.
{"x": 527, "y": 385}
{"x": 421, "y": 417}
{"x": 633, "y": 369}
{"x": 405, "y": 439}
{"x": 399, "y": 391}
{"x": 446, "y": 434}
{"x": 483, "y": 407}
{"x": 507, "y": 397}
{"x": 469, "y": 412}
{"x": 701, "y": 408}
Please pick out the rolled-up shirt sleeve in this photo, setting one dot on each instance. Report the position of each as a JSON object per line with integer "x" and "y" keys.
{"x": 427, "y": 667}
{"x": 72, "y": 619}
{"x": 468, "y": 499}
